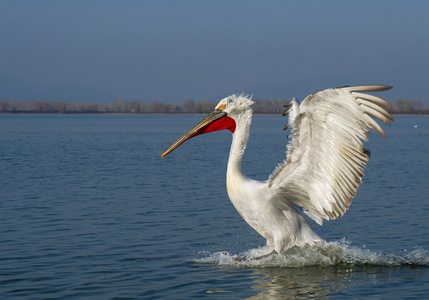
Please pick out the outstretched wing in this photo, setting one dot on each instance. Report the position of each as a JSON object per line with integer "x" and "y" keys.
{"x": 325, "y": 158}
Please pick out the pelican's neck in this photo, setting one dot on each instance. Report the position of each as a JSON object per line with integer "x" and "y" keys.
{"x": 239, "y": 142}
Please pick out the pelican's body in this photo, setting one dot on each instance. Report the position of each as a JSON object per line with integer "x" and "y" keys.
{"x": 278, "y": 222}
{"x": 323, "y": 169}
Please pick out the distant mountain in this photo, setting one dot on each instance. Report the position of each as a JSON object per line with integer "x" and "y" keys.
{"x": 303, "y": 87}
{"x": 27, "y": 91}
{"x": 407, "y": 87}
{"x": 299, "y": 88}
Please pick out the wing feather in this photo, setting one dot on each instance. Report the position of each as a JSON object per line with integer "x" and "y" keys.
{"x": 325, "y": 159}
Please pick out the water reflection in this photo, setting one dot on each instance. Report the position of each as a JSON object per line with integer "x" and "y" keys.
{"x": 324, "y": 282}
{"x": 278, "y": 283}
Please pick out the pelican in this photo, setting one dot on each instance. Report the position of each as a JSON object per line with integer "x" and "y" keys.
{"x": 324, "y": 164}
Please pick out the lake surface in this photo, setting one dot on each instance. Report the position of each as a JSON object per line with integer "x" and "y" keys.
{"x": 89, "y": 209}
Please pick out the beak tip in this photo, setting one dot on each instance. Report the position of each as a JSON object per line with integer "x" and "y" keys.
{"x": 163, "y": 154}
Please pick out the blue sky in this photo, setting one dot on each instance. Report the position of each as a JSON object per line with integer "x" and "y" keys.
{"x": 170, "y": 51}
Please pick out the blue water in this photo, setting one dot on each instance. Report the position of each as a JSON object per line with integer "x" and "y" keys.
{"x": 88, "y": 209}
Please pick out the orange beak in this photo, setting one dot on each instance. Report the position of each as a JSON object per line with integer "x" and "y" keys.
{"x": 215, "y": 121}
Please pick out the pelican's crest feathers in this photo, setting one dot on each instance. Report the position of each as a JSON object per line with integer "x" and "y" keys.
{"x": 236, "y": 101}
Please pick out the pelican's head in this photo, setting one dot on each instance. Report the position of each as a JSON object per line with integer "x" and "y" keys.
{"x": 224, "y": 116}
{"x": 235, "y": 105}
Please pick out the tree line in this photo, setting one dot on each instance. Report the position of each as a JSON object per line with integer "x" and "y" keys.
{"x": 271, "y": 106}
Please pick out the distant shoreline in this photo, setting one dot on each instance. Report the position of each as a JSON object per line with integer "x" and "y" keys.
{"x": 188, "y": 107}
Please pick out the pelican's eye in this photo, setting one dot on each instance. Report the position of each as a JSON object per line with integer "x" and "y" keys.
{"x": 222, "y": 107}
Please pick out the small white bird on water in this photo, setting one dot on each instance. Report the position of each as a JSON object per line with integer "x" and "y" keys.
{"x": 323, "y": 168}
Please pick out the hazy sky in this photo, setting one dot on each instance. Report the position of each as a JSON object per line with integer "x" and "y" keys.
{"x": 175, "y": 50}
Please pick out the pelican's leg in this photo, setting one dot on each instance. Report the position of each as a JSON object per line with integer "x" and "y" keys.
{"x": 245, "y": 258}
{"x": 265, "y": 255}
{"x": 239, "y": 259}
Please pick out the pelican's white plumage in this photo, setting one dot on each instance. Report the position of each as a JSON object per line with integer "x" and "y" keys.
{"x": 323, "y": 167}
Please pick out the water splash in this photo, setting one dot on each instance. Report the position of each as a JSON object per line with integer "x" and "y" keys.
{"x": 323, "y": 254}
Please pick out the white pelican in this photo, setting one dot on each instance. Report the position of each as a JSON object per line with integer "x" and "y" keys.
{"x": 323, "y": 167}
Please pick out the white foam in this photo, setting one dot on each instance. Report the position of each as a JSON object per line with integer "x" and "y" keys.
{"x": 322, "y": 254}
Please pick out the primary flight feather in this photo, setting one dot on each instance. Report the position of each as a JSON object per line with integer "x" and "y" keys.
{"x": 323, "y": 167}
